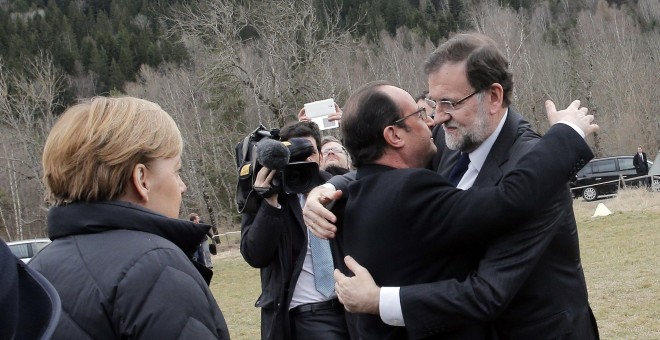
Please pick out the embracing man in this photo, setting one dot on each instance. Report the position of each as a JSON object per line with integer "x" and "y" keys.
{"x": 524, "y": 282}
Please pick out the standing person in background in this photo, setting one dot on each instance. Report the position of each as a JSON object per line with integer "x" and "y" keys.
{"x": 120, "y": 257}
{"x": 641, "y": 164}
{"x": 297, "y": 298}
{"x": 336, "y": 160}
{"x": 203, "y": 253}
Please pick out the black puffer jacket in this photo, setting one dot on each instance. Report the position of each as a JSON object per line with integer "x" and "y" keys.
{"x": 124, "y": 272}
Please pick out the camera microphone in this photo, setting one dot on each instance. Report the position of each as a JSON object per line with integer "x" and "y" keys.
{"x": 272, "y": 154}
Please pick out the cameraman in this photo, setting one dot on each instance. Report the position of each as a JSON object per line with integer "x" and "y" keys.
{"x": 296, "y": 301}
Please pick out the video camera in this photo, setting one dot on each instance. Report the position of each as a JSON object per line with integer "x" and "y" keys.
{"x": 262, "y": 148}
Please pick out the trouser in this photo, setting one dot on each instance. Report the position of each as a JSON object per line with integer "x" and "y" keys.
{"x": 316, "y": 321}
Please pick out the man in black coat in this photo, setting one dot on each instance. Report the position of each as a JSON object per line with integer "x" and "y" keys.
{"x": 530, "y": 279}
{"x": 393, "y": 197}
{"x": 276, "y": 240}
{"x": 641, "y": 164}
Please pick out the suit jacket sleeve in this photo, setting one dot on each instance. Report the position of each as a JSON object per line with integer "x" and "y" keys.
{"x": 260, "y": 233}
{"x": 444, "y": 305}
{"x": 541, "y": 173}
{"x": 341, "y": 182}
{"x": 483, "y": 295}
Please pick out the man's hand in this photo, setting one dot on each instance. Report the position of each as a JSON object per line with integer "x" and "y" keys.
{"x": 573, "y": 114}
{"x": 262, "y": 183}
{"x": 302, "y": 116}
{"x": 336, "y": 115}
{"x": 359, "y": 293}
{"x": 317, "y": 217}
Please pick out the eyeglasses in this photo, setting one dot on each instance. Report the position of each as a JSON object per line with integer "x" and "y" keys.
{"x": 327, "y": 151}
{"x": 447, "y": 106}
{"x": 421, "y": 113}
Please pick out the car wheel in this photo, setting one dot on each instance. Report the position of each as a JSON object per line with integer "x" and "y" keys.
{"x": 656, "y": 185}
{"x": 589, "y": 194}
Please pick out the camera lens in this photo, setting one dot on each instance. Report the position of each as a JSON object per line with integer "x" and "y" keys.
{"x": 300, "y": 177}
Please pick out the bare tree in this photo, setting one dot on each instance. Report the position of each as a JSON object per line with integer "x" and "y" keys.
{"x": 271, "y": 48}
{"x": 27, "y": 103}
{"x": 619, "y": 71}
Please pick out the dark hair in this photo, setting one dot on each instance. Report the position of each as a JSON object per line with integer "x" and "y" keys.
{"x": 422, "y": 96}
{"x": 366, "y": 114}
{"x": 485, "y": 63}
{"x": 193, "y": 216}
{"x": 302, "y": 129}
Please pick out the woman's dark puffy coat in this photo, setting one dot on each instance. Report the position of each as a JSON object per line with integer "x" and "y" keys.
{"x": 124, "y": 272}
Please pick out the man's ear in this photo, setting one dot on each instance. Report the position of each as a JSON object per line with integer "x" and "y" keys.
{"x": 495, "y": 98}
{"x": 392, "y": 136}
{"x": 140, "y": 183}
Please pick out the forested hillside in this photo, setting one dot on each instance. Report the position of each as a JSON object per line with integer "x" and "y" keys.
{"x": 221, "y": 67}
{"x": 100, "y": 44}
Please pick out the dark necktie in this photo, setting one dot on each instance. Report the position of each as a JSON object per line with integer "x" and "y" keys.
{"x": 459, "y": 169}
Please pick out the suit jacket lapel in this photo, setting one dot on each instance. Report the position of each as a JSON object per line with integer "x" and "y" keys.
{"x": 491, "y": 172}
{"x": 445, "y": 159}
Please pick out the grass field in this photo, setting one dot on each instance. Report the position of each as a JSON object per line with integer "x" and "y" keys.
{"x": 620, "y": 254}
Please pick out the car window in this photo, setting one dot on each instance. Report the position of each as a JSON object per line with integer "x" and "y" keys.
{"x": 37, "y": 246}
{"x": 20, "y": 250}
{"x": 605, "y": 165}
{"x": 585, "y": 171}
{"x": 626, "y": 164}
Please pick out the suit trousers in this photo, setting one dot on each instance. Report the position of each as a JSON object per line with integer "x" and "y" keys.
{"x": 315, "y": 324}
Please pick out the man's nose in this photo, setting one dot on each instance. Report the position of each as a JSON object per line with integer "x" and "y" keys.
{"x": 441, "y": 118}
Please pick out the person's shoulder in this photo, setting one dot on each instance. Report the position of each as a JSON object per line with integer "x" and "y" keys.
{"x": 406, "y": 176}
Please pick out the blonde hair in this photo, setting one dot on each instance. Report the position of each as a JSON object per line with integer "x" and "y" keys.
{"x": 92, "y": 149}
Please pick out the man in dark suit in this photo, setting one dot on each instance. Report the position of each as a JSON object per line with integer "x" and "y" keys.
{"x": 640, "y": 162}
{"x": 393, "y": 196}
{"x": 530, "y": 279}
{"x": 276, "y": 240}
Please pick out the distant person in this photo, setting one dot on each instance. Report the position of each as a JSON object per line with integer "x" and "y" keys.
{"x": 336, "y": 160}
{"x": 641, "y": 164}
{"x": 120, "y": 257}
{"x": 203, "y": 252}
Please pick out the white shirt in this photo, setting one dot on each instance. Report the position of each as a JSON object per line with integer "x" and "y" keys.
{"x": 479, "y": 155}
{"x": 305, "y": 290}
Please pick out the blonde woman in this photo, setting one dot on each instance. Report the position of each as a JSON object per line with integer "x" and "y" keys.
{"x": 120, "y": 258}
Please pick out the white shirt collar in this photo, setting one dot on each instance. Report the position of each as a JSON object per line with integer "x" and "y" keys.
{"x": 479, "y": 155}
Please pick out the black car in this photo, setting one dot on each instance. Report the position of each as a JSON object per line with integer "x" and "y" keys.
{"x": 604, "y": 176}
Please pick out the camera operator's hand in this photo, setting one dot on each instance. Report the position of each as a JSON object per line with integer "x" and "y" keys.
{"x": 263, "y": 187}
